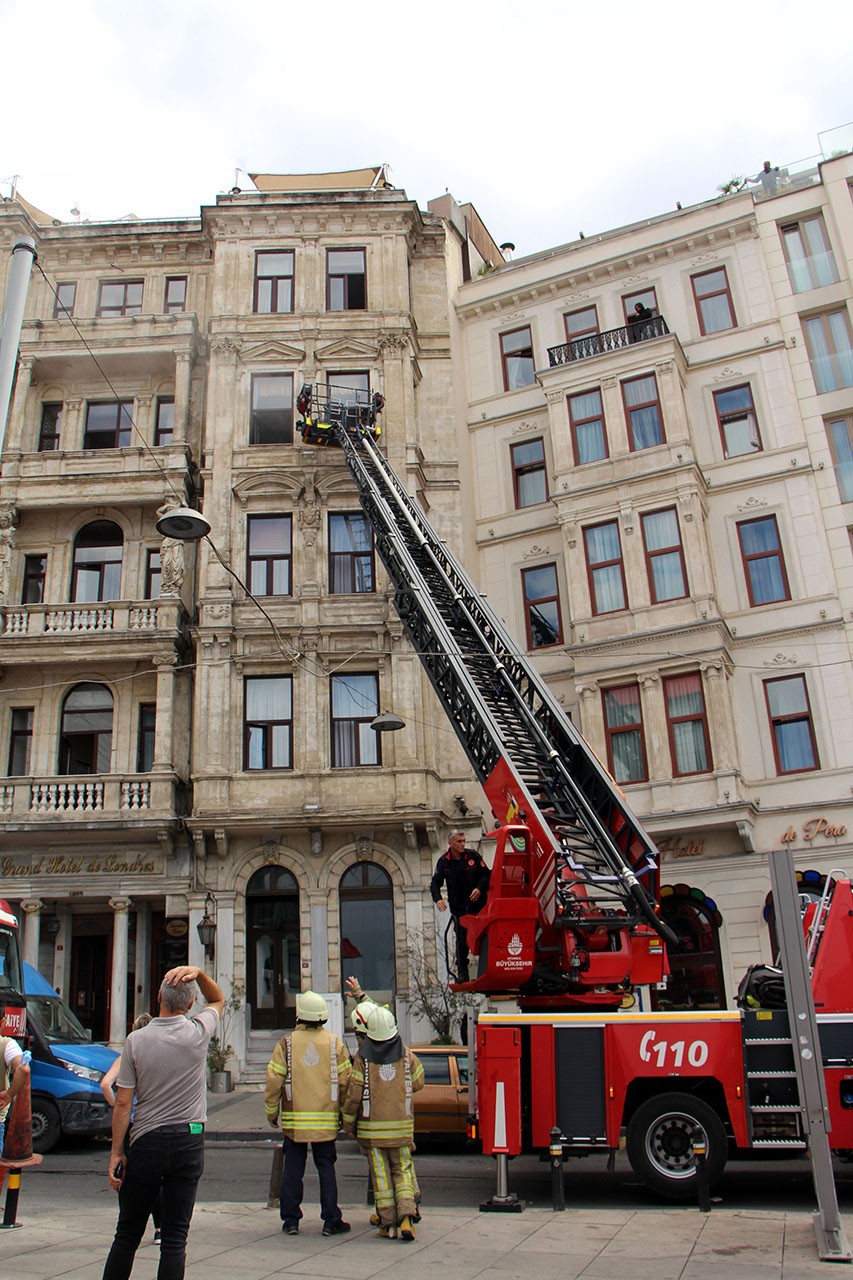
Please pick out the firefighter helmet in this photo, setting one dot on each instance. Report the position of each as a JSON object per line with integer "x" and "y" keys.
{"x": 311, "y": 1008}
{"x": 381, "y": 1024}
{"x": 360, "y": 1014}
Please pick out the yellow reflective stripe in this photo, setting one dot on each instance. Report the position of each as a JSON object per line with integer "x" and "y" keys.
{"x": 418, "y": 1075}
{"x": 272, "y": 1065}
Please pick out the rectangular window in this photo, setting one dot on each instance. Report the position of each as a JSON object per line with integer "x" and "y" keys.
{"x": 269, "y": 554}
{"x": 664, "y": 556}
{"x": 713, "y": 300}
{"x": 623, "y": 723}
{"x": 21, "y": 742}
{"x": 808, "y": 254}
{"x": 51, "y": 427}
{"x": 840, "y": 432}
{"x": 763, "y": 563}
{"x": 66, "y": 296}
{"x": 542, "y": 606}
{"x": 145, "y": 737}
{"x": 687, "y": 721}
{"x": 738, "y": 423}
{"x": 108, "y": 425}
{"x": 529, "y": 477}
{"x": 349, "y": 388}
{"x": 119, "y": 298}
{"x": 346, "y": 280}
{"x": 355, "y": 702}
{"x": 643, "y": 412}
{"x": 589, "y": 437}
{"x": 517, "y": 359}
{"x": 581, "y": 324}
{"x": 604, "y": 566}
{"x": 794, "y": 746}
{"x": 35, "y": 571}
{"x": 175, "y": 299}
{"x": 272, "y": 409}
{"x": 268, "y": 729}
{"x": 274, "y": 281}
{"x": 153, "y": 575}
{"x": 350, "y": 554}
{"x": 164, "y": 426}
{"x": 830, "y": 350}
{"x": 645, "y": 298}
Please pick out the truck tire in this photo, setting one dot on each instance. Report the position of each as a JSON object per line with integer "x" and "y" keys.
{"x": 47, "y": 1129}
{"x": 660, "y": 1140}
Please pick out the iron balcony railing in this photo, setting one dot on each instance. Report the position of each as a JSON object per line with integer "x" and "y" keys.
{"x": 596, "y": 344}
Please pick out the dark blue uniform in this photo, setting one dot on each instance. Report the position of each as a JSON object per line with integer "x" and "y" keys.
{"x": 462, "y": 876}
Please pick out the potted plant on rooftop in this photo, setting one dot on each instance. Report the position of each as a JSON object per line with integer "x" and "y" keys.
{"x": 219, "y": 1049}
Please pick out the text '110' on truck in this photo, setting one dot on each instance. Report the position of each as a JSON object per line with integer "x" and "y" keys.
{"x": 571, "y": 927}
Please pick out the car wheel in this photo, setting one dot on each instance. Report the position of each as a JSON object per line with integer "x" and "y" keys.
{"x": 661, "y": 1136}
{"x": 47, "y": 1129}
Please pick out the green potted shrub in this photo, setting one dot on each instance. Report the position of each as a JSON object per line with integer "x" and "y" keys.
{"x": 219, "y": 1050}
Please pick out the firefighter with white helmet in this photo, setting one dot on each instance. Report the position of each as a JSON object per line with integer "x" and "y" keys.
{"x": 378, "y": 1111}
{"x": 307, "y": 1077}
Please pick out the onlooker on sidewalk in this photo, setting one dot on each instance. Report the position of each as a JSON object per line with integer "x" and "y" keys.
{"x": 306, "y": 1075}
{"x": 378, "y": 1112}
{"x": 165, "y": 1066}
{"x": 13, "y": 1075}
{"x": 107, "y": 1089}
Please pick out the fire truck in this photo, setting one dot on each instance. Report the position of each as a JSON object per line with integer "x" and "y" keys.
{"x": 571, "y": 929}
{"x": 13, "y": 1004}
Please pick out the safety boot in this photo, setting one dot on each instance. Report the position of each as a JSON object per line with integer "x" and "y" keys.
{"x": 407, "y": 1228}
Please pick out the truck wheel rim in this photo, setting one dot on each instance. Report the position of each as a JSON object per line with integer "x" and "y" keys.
{"x": 669, "y": 1144}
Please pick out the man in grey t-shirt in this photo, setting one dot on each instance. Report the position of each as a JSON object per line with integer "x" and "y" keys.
{"x": 164, "y": 1065}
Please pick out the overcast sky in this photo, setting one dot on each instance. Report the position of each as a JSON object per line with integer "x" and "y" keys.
{"x": 552, "y": 118}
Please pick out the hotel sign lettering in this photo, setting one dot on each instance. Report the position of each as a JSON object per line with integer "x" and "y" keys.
{"x": 84, "y": 864}
{"x": 814, "y": 829}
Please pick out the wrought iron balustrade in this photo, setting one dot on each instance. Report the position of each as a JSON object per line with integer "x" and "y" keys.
{"x": 597, "y": 344}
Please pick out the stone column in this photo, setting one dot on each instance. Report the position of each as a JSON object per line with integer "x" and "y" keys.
{"x": 62, "y": 953}
{"x": 32, "y": 930}
{"x": 142, "y": 994}
{"x": 118, "y": 983}
{"x": 72, "y": 430}
{"x": 18, "y": 411}
{"x": 183, "y": 370}
{"x": 195, "y": 951}
{"x": 165, "y": 715}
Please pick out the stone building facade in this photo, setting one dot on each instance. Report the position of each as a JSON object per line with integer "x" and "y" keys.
{"x": 660, "y": 463}
{"x": 186, "y": 728}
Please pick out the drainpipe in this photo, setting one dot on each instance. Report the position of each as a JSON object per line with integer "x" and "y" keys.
{"x": 23, "y": 257}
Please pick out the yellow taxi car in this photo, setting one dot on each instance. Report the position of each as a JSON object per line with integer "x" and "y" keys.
{"x": 441, "y": 1107}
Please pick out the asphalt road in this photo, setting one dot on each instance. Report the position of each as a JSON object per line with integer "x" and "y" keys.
{"x": 76, "y": 1174}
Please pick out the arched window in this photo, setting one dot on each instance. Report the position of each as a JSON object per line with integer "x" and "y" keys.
{"x": 86, "y": 735}
{"x": 696, "y": 981}
{"x": 97, "y": 563}
{"x": 810, "y": 887}
{"x": 273, "y": 954}
{"x": 367, "y": 930}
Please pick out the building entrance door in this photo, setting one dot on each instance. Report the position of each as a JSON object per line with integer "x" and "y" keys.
{"x": 90, "y": 980}
{"x": 272, "y": 913}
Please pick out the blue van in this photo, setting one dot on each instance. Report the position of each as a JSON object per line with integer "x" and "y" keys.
{"x": 66, "y": 1069}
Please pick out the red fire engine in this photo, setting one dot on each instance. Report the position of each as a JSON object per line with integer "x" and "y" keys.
{"x": 13, "y": 1005}
{"x": 571, "y": 929}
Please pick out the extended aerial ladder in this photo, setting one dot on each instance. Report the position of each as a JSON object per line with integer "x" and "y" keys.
{"x": 570, "y": 920}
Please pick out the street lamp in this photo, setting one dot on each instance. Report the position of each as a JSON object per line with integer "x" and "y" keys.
{"x": 206, "y": 927}
{"x": 183, "y": 523}
{"x": 387, "y": 722}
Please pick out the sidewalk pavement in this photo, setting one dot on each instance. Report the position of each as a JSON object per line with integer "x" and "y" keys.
{"x": 229, "y": 1239}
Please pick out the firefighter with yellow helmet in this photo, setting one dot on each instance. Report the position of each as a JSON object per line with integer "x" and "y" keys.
{"x": 378, "y": 1111}
{"x": 307, "y": 1077}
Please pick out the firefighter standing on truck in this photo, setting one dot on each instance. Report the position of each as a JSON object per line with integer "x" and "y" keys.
{"x": 306, "y": 1078}
{"x": 378, "y": 1111}
{"x": 467, "y": 878}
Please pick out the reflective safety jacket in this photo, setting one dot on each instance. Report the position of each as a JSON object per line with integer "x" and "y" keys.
{"x": 306, "y": 1077}
{"x": 378, "y": 1103}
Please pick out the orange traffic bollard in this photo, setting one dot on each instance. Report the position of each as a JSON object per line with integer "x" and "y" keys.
{"x": 17, "y": 1152}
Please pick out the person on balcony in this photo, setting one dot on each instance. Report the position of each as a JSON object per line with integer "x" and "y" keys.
{"x": 639, "y": 324}
{"x": 768, "y": 178}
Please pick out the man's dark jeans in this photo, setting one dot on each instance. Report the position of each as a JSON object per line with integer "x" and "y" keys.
{"x": 175, "y": 1162}
{"x": 295, "y": 1155}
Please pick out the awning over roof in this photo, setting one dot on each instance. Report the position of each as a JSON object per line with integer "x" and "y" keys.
{"x": 346, "y": 180}
{"x": 38, "y": 215}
